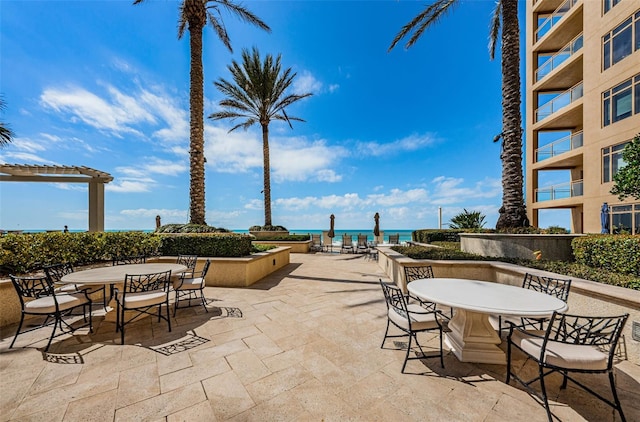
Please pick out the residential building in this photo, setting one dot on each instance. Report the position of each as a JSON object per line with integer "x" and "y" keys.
{"x": 582, "y": 107}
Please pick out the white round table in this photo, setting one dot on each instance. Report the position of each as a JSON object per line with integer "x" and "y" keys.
{"x": 116, "y": 274}
{"x": 472, "y": 338}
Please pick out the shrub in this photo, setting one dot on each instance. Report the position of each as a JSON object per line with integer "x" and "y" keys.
{"x": 190, "y": 228}
{"x": 433, "y": 235}
{"x": 213, "y": 244}
{"x": 617, "y": 253}
{"x": 467, "y": 220}
{"x": 288, "y": 238}
{"x": 267, "y": 229}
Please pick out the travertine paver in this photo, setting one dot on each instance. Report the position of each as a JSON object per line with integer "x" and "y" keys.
{"x": 301, "y": 345}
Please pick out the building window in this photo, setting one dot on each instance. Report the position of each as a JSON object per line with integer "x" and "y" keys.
{"x": 625, "y": 219}
{"x": 612, "y": 161}
{"x": 621, "y": 101}
{"x": 608, "y": 4}
{"x": 621, "y": 42}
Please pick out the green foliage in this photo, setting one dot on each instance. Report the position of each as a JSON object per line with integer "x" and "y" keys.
{"x": 627, "y": 179}
{"x": 21, "y": 253}
{"x": 617, "y": 253}
{"x": 190, "y": 228}
{"x": 434, "y": 235}
{"x": 256, "y": 248}
{"x": 421, "y": 252}
{"x": 213, "y": 244}
{"x": 467, "y": 220}
{"x": 267, "y": 228}
{"x": 287, "y": 238}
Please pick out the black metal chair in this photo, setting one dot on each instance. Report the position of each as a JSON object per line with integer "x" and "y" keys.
{"x": 557, "y": 287}
{"x": 141, "y": 293}
{"x": 411, "y": 319}
{"x": 55, "y": 272}
{"x": 416, "y": 273}
{"x": 189, "y": 261}
{"x": 570, "y": 343}
{"x": 38, "y": 296}
{"x": 128, "y": 260}
{"x": 190, "y": 284}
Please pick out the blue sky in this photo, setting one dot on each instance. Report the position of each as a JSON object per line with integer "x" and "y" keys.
{"x": 105, "y": 84}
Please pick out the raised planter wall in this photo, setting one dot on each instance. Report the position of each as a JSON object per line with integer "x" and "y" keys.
{"x": 555, "y": 247}
{"x": 586, "y": 297}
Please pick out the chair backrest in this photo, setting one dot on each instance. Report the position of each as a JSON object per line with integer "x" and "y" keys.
{"x": 362, "y": 241}
{"x": 188, "y": 260}
{"x": 416, "y": 273}
{"x": 347, "y": 240}
{"x": 55, "y": 272}
{"x": 602, "y": 332}
{"x": 394, "y": 239}
{"x": 32, "y": 287}
{"x": 315, "y": 240}
{"x": 137, "y": 283}
{"x": 126, "y": 260}
{"x": 395, "y": 299}
{"x": 205, "y": 268}
{"x": 557, "y": 287}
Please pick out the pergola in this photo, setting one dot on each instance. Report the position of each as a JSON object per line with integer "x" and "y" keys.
{"x": 96, "y": 180}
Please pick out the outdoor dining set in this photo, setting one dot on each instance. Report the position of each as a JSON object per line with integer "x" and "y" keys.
{"x": 130, "y": 288}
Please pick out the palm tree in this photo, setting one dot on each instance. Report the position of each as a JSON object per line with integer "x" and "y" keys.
{"x": 257, "y": 95}
{"x": 194, "y": 15}
{"x": 512, "y": 212}
{"x": 467, "y": 220}
{"x": 5, "y": 133}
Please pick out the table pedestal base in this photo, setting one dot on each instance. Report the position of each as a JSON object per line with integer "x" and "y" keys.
{"x": 473, "y": 339}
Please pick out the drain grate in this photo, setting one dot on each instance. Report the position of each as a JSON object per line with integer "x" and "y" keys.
{"x": 635, "y": 331}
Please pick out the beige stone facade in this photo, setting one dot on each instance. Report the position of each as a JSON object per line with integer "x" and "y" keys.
{"x": 582, "y": 106}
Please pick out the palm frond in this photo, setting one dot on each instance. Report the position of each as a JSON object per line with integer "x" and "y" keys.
{"x": 241, "y": 12}
{"x": 494, "y": 30}
{"x": 428, "y": 17}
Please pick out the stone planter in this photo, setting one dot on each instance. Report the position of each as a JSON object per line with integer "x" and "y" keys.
{"x": 267, "y": 234}
{"x": 556, "y": 247}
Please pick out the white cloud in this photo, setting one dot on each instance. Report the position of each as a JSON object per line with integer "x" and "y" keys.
{"x": 305, "y": 83}
{"x": 449, "y": 190}
{"x": 165, "y": 214}
{"x": 124, "y": 185}
{"x": 409, "y": 143}
{"x": 23, "y": 158}
{"x": 29, "y": 145}
{"x": 333, "y": 88}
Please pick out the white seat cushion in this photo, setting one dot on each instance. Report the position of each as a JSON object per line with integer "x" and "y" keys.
{"x": 189, "y": 284}
{"x": 46, "y": 305}
{"x": 143, "y": 299}
{"x": 563, "y": 355}
{"x": 419, "y": 321}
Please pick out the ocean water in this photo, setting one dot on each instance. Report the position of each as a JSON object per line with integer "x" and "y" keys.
{"x": 405, "y": 235}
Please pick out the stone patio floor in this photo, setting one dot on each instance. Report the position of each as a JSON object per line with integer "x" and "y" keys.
{"x": 301, "y": 345}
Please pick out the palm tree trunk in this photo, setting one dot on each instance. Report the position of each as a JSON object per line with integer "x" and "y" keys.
{"x": 196, "y": 146}
{"x": 512, "y": 212}
{"x": 266, "y": 175}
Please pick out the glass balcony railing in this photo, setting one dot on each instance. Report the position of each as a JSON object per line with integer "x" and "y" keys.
{"x": 562, "y": 145}
{"x": 559, "y": 101}
{"x": 553, "y": 19}
{"x": 558, "y": 58}
{"x": 562, "y": 191}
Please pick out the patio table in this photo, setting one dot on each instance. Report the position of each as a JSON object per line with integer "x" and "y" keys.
{"x": 472, "y": 338}
{"x": 115, "y": 276}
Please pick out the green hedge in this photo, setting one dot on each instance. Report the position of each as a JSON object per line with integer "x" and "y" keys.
{"x": 434, "y": 235}
{"x": 617, "y": 253}
{"x": 213, "y": 244}
{"x": 21, "y": 253}
{"x": 287, "y": 238}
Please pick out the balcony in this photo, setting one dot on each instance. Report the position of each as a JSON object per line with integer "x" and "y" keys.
{"x": 561, "y": 191}
{"x": 554, "y": 18}
{"x": 558, "y": 58}
{"x": 558, "y": 102}
{"x": 562, "y": 145}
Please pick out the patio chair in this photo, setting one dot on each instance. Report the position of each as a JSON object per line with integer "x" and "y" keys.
{"x": 557, "y": 287}
{"x": 55, "y": 272}
{"x": 128, "y": 260}
{"x": 190, "y": 284}
{"x": 411, "y": 319}
{"x": 316, "y": 243}
{"x": 570, "y": 343}
{"x": 38, "y": 296}
{"x": 141, "y": 293}
{"x": 188, "y": 260}
{"x": 362, "y": 245}
{"x": 347, "y": 243}
{"x": 394, "y": 239}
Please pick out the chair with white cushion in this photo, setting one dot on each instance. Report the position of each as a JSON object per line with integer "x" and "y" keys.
{"x": 189, "y": 261}
{"x": 142, "y": 293}
{"x": 55, "y": 272}
{"x": 411, "y": 319}
{"x": 190, "y": 284}
{"x": 570, "y": 343}
{"x": 38, "y": 296}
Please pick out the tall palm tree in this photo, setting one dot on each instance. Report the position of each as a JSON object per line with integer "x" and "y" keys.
{"x": 194, "y": 15}
{"x": 512, "y": 212}
{"x": 257, "y": 95}
{"x": 5, "y": 132}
